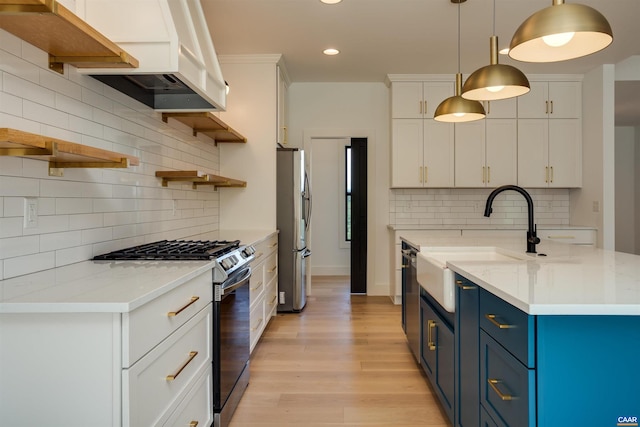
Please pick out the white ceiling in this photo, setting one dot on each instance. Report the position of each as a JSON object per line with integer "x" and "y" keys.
{"x": 380, "y": 37}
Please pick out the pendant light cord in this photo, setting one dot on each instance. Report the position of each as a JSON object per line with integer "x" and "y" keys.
{"x": 459, "y": 36}
{"x": 494, "y": 17}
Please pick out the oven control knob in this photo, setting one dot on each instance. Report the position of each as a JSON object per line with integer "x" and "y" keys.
{"x": 248, "y": 251}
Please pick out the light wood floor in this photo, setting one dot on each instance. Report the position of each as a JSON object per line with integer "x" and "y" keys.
{"x": 343, "y": 361}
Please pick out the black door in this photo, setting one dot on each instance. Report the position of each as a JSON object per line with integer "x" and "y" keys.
{"x": 358, "y": 215}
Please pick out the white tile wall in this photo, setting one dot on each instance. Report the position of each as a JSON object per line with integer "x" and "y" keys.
{"x": 92, "y": 211}
{"x": 465, "y": 207}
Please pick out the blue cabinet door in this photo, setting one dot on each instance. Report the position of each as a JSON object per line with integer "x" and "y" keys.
{"x": 467, "y": 354}
{"x": 437, "y": 358}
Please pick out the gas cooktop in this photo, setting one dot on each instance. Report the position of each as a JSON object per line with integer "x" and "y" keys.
{"x": 173, "y": 250}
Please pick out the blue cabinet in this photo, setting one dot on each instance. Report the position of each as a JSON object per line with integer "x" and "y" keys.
{"x": 437, "y": 358}
{"x": 467, "y": 354}
{"x": 519, "y": 370}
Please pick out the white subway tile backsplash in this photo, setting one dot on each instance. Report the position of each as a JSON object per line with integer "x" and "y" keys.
{"x": 73, "y": 205}
{"x": 55, "y": 241}
{"x": 29, "y": 90}
{"x": 85, "y": 221}
{"x": 18, "y": 186}
{"x": 73, "y": 255}
{"x": 10, "y": 227}
{"x": 18, "y": 246}
{"x": 10, "y": 104}
{"x": 28, "y": 264}
{"x": 45, "y": 114}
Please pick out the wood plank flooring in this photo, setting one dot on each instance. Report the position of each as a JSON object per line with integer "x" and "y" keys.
{"x": 343, "y": 361}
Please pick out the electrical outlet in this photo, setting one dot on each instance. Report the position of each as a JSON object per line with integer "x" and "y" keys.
{"x": 281, "y": 297}
{"x": 30, "y": 212}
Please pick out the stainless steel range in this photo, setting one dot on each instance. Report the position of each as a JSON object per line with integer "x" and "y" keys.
{"x": 231, "y": 323}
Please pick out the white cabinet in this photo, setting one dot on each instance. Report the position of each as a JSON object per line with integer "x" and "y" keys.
{"x": 486, "y": 153}
{"x": 99, "y": 369}
{"x": 417, "y": 100}
{"x": 422, "y": 153}
{"x": 501, "y": 109}
{"x": 283, "y": 107}
{"x": 550, "y": 153}
{"x": 263, "y": 286}
{"x": 560, "y": 99}
{"x": 550, "y": 135}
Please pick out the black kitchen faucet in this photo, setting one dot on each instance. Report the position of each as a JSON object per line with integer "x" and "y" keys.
{"x": 532, "y": 238}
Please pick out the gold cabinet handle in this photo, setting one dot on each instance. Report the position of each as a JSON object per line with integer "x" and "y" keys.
{"x": 420, "y": 107}
{"x": 286, "y": 135}
{"x": 492, "y": 319}
{"x": 273, "y": 301}
{"x": 551, "y": 107}
{"x": 561, "y": 237}
{"x": 192, "y": 355}
{"x": 420, "y": 176}
{"x": 464, "y": 287}
{"x": 193, "y": 424}
{"x": 546, "y": 174}
{"x": 488, "y": 174}
{"x": 494, "y": 385}
{"x": 274, "y": 268}
{"x": 484, "y": 175}
{"x": 546, "y": 108}
{"x": 255, "y": 328}
{"x": 259, "y": 255}
{"x": 425, "y": 107}
{"x": 426, "y": 174}
{"x": 273, "y": 245}
{"x": 551, "y": 169}
{"x": 256, "y": 287}
{"x": 430, "y": 325}
{"x": 175, "y": 313}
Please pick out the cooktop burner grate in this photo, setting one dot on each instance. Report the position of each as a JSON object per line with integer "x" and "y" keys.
{"x": 174, "y": 250}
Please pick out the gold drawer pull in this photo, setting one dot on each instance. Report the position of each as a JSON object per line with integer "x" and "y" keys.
{"x": 561, "y": 237}
{"x": 273, "y": 301}
{"x": 492, "y": 319}
{"x": 273, "y": 245}
{"x": 257, "y": 325}
{"x": 193, "y": 424}
{"x": 192, "y": 355}
{"x": 272, "y": 269}
{"x": 259, "y": 255}
{"x": 463, "y": 287}
{"x": 175, "y": 313}
{"x": 493, "y": 383}
{"x": 431, "y": 324}
{"x": 257, "y": 286}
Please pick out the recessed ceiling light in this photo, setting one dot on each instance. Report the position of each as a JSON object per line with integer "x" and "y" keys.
{"x": 331, "y": 51}
{"x": 330, "y": 1}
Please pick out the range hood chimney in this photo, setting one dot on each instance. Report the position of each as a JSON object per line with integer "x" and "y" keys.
{"x": 179, "y": 69}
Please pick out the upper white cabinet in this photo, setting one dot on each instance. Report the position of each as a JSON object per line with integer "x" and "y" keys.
{"x": 554, "y": 100}
{"x": 422, "y": 153}
{"x": 283, "y": 108}
{"x": 550, "y": 135}
{"x": 486, "y": 153}
{"x": 501, "y": 109}
{"x": 417, "y": 100}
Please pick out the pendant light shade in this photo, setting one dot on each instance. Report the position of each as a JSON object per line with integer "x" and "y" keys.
{"x": 560, "y": 32}
{"x": 456, "y": 109}
{"x": 495, "y": 81}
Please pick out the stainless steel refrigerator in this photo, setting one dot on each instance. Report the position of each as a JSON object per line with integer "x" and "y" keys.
{"x": 293, "y": 216}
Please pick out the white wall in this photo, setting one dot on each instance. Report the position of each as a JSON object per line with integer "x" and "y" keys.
{"x": 330, "y": 254}
{"x": 626, "y": 189}
{"x": 343, "y": 110}
{"x": 251, "y": 109}
{"x": 92, "y": 211}
{"x": 598, "y": 158}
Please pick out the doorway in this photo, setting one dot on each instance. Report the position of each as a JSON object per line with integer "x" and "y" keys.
{"x": 337, "y": 247}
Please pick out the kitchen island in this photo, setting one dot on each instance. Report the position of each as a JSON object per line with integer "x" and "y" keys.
{"x": 539, "y": 340}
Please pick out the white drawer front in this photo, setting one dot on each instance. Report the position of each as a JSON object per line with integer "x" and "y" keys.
{"x": 270, "y": 267}
{"x": 271, "y": 299}
{"x": 148, "y": 389}
{"x": 575, "y": 237}
{"x": 196, "y": 409}
{"x": 146, "y": 326}
{"x": 257, "y": 283}
{"x": 257, "y": 322}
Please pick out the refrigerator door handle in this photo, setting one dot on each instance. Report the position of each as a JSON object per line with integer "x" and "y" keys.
{"x": 306, "y": 253}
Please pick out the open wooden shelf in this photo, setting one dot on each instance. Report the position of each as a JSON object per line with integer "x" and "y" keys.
{"x": 53, "y": 28}
{"x": 59, "y": 153}
{"x": 198, "y": 178}
{"x": 208, "y": 124}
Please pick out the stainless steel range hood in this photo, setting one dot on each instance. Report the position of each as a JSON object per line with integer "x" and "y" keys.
{"x": 179, "y": 69}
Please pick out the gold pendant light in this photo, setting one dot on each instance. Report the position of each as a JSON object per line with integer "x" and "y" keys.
{"x": 560, "y": 32}
{"x": 456, "y": 109}
{"x": 495, "y": 81}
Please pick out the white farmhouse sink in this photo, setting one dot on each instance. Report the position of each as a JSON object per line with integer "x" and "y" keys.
{"x": 438, "y": 280}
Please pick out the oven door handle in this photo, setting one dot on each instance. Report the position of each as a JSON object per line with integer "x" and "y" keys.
{"x": 244, "y": 278}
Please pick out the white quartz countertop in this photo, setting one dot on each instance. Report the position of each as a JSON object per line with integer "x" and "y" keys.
{"x": 570, "y": 280}
{"x": 96, "y": 286}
